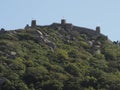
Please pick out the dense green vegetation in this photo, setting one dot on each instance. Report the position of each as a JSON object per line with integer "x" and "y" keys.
{"x": 28, "y": 63}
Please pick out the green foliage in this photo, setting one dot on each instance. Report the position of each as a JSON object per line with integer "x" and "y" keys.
{"x": 52, "y": 85}
{"x": 28, "y": 62}
{"x": 72, "y": 69}
{"x": 34, "y": 74}
{"x": 62, "y": 54}
{"x": 84, "y": 44}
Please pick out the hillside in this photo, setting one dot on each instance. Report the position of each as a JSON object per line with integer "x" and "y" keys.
{"x": 59, "y": 56}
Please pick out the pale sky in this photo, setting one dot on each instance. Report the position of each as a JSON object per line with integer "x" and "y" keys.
{"x": 16, "y": 14}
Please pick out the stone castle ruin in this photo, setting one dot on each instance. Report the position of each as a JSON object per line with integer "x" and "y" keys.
{"x": 64, "y": 26}
{"x": 67, "y": 26}
{"x": 33, "y": 23}
{"x": 65, "y": 29}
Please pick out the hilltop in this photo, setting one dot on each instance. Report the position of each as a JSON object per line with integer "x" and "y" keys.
{"x": 60, "y": 56}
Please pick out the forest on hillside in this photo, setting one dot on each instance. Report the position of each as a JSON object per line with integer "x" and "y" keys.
{"x": 54, "y": 59}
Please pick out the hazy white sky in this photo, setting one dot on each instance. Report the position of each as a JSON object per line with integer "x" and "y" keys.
{"x": 16, "y": 14}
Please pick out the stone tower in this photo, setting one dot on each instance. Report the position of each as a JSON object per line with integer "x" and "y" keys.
{"x": 63, "y": 22}
{"x": 33, "y": 23}
{"x": 98, "y": 29}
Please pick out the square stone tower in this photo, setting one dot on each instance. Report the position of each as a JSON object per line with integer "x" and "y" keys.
{"x": 33, "y": 23}
{"x": 63, "y": 22}
{"x": 98, "y": 29}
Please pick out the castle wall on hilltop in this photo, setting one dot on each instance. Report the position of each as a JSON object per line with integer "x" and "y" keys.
{"x": 65, "y": 26}
{"x": 69, "y": 27}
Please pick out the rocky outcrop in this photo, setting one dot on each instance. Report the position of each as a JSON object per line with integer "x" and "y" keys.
{"x": 44, "y": 40}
